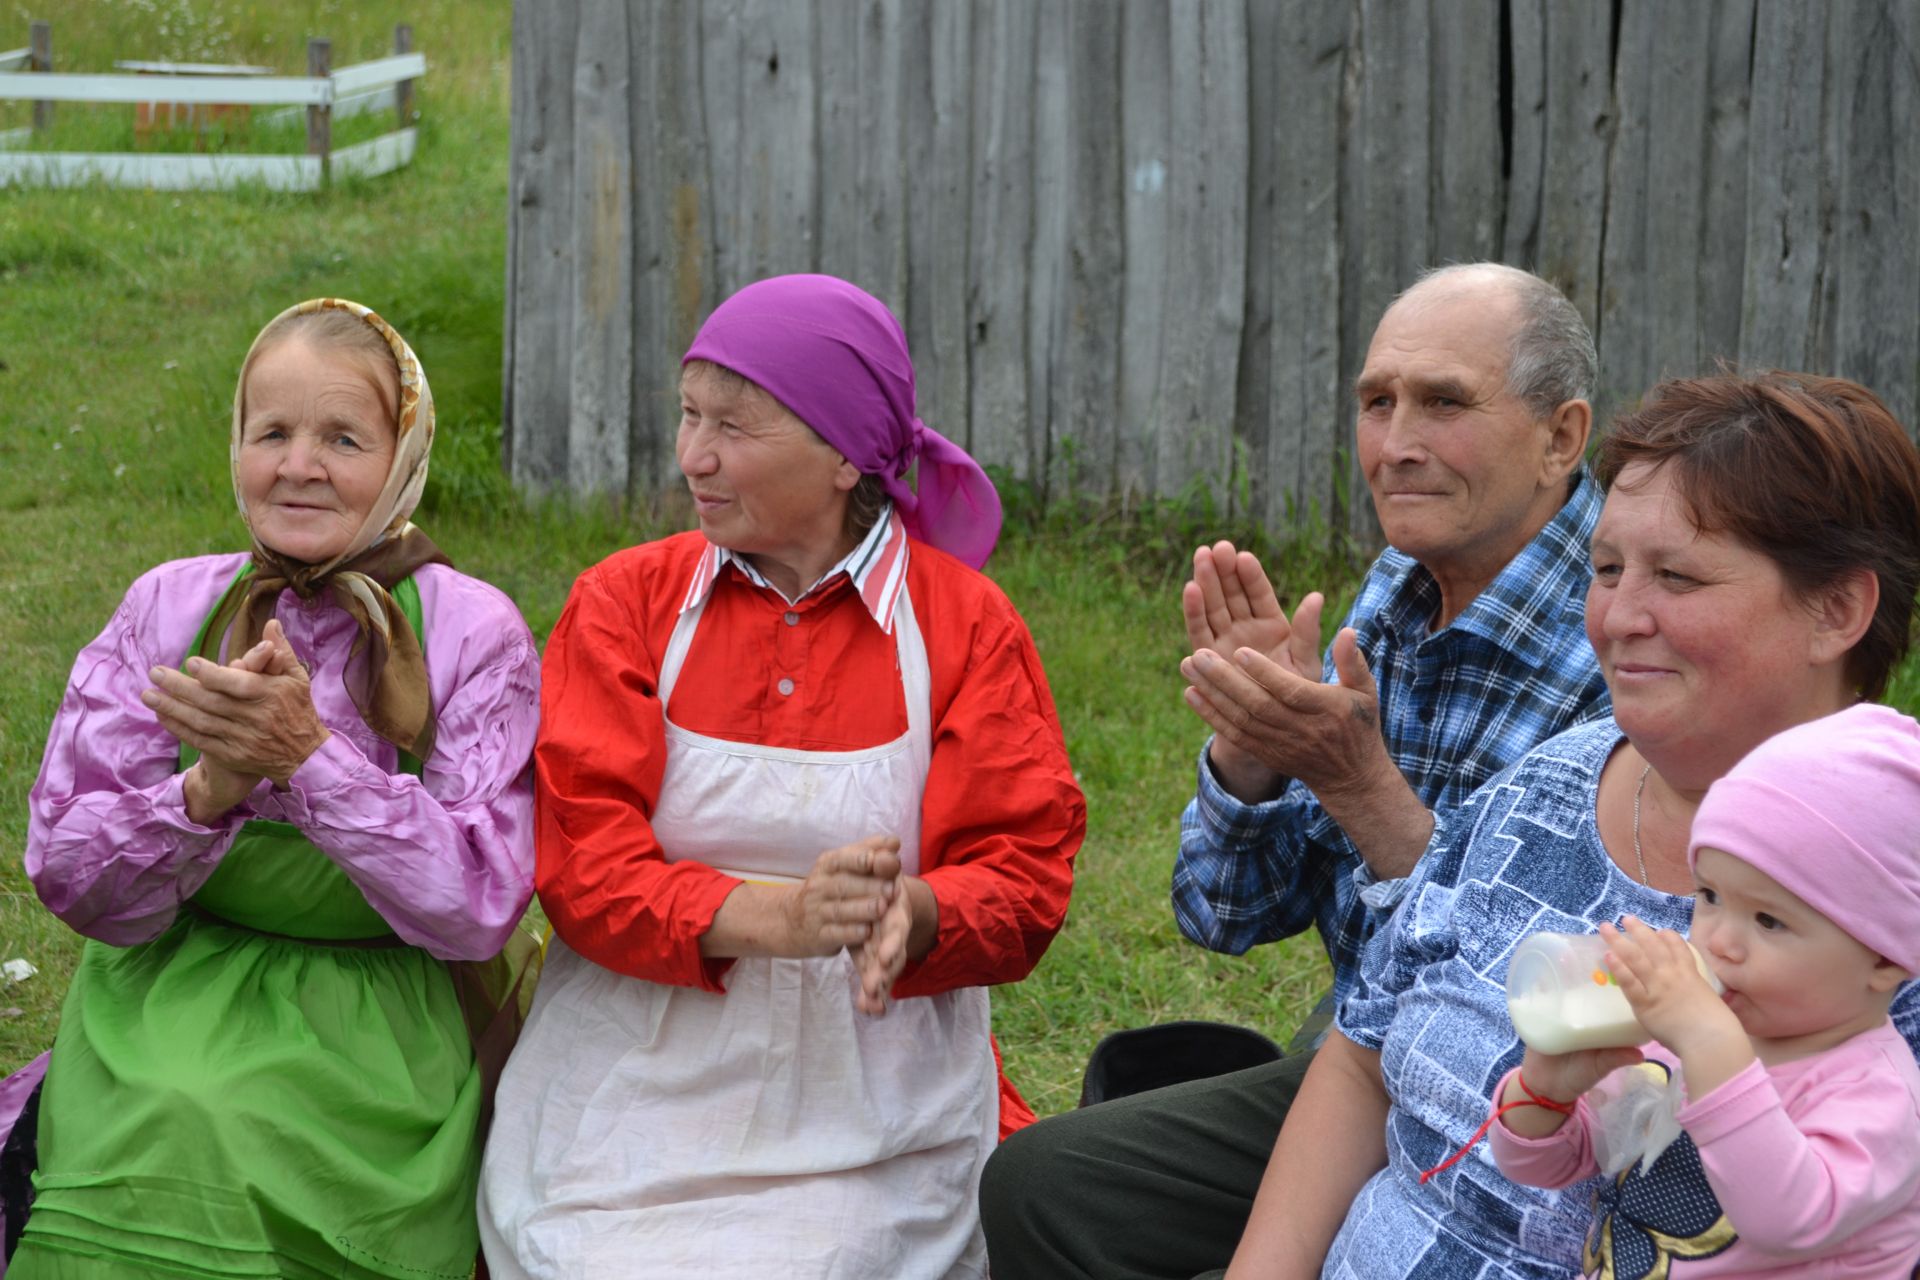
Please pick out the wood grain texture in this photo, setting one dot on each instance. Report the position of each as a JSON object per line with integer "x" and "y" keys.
{"x": 540, "y": 264}
{"x": 1146, "y": 69}
{"x": 1786, "y": 183}
{"x": 1871, "y": 323}
{"x": 601, "y": 372}
{"x": 1084, "y": 452}
{"x": 937, "y": 88}
{"x": 1139, "y": 248}
{"x": 673, "y": 237}
{"x": 1207, "y": 217}
{"x": 1303, "y": 428}
{"x": 1001, "y": 234}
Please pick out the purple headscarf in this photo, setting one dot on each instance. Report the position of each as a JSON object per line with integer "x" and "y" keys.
{"x": 834, "y": 355}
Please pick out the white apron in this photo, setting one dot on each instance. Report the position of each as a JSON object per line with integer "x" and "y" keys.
{"x": 659, "y": 1131}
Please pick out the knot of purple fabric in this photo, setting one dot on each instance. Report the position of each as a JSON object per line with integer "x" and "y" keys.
{"x": 835, "y": 356}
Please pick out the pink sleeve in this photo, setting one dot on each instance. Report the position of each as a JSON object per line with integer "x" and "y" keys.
{"x": 1560, "y": 1159}
{"x": 1807, "y": 1182}
{"x": 446, "y": 858}
{"x": 110, "y": 848}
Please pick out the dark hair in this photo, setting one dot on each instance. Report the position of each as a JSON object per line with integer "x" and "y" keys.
{"x": 868, "y": 497}
{"x": 1814, "y": 473}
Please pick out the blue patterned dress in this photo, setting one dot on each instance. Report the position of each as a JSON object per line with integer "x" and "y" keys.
{"x": 1522, "y": 856}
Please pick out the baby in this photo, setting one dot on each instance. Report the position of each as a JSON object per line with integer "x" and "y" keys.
{"x": 1801, "y": 1111}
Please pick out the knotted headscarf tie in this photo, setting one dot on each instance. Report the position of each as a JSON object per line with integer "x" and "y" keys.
{"x": 389, "y": 688}
{"x": 835, "y": 356}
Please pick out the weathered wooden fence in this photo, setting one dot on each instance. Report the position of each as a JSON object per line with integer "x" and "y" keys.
{"x": 1140, "y": 246}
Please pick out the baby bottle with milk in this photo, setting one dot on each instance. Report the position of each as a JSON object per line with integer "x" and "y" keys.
{"x": 1562, "y": 996}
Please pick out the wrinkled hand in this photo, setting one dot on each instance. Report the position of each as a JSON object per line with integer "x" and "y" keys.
{"x": 1326, "y": 735}
{"x": 848, "y": 890}
{"x": 880, "y": 959}
{"x": 253, "y": 717}
{"x": 1657, "y": 973}
{"x": 1229, "y": 604}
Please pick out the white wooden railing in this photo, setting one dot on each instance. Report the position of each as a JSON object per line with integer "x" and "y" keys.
{"x": 320, "y": 96}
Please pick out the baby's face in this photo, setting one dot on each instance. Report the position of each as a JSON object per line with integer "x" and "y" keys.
{"x": 1797, "y": 981}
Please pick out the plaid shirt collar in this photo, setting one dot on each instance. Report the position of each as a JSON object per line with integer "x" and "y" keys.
{"x": 877, "y": 568}
{"x": 1508, "y": 612}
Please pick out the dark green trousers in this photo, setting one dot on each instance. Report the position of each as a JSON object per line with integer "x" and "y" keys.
{"x": 1156, "y": 1186}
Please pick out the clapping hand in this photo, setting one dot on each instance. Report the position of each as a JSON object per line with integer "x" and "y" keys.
{"x": 843, "y": 897}
{"x": 1230, "y": 605}
{"x": 252, "y": 718}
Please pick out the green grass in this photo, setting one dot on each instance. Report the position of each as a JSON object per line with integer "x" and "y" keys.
{"x": 126, "y": 314}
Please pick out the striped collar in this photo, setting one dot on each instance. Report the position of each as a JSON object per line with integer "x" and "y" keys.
{"x": 877, "y": 568}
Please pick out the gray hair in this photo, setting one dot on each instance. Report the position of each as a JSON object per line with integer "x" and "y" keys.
{"x": 1552, "y": 359}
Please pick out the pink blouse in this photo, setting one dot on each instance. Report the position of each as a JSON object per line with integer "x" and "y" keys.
{"x": 445, "y": 858}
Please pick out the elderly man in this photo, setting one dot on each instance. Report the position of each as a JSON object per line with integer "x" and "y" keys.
{"x": 1465, "y": 646}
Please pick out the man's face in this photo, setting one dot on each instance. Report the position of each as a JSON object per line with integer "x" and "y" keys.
{"x": 1454, "y": 459}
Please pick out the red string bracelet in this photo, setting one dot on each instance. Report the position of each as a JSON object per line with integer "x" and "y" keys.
{"x": 1531, "y": 1100}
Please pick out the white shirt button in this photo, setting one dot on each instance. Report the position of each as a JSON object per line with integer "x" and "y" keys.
{"x": 792, "y": 619}
{"x": 785, "y": 687}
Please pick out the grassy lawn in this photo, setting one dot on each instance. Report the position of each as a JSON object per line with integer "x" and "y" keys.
{"x": 123, "y": 318}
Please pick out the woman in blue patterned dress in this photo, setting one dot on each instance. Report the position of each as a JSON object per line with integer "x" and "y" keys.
{"x": 1755, "y": 567}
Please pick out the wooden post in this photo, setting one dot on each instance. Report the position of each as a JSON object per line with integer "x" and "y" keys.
{"x": 403, "y": 91}
{"x": 320, "y": 118}
{"x": 40, "y": 58}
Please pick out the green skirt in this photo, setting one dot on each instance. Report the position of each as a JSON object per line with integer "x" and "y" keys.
{"x": 228, "y": 1103}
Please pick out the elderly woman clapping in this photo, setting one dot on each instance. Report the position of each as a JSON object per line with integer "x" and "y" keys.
{"x": 803, "y": 797}
{"x": 283, "y": 791}
{"x": 1754, "y": 568}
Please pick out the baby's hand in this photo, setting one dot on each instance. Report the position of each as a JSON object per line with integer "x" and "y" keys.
{"x": 1657, "y": 973}
{"x": 1565, "y": 1076}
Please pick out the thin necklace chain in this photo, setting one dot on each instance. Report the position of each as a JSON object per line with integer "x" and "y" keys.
{"x": 1638, "y": 856}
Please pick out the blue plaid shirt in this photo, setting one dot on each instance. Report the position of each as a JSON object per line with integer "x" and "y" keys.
{"x": 1456, "y": 707}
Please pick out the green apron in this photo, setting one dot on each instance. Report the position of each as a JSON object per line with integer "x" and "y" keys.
{"x": 274, "y": 1087}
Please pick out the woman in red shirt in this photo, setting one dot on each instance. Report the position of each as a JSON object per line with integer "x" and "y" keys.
{"x": 802, "y": 798}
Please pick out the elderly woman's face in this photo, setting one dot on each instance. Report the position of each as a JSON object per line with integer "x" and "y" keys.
{"x": 1705, "y": 648}
{"x": 763, "y": 483}
{"x": 316, "y": 442}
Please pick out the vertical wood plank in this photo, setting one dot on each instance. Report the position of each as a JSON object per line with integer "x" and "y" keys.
{"x": 1145, "y": 110}
{"x": 601, "y": 400}
{"x": 1649, "y": 321}
{"x": 757, "y": 84}
{"x": 1872, "y": 322}
{"x": 1579, "y": 40}
{"x": 1087, "y": 388}
{"x": 540, "y": 266}
{"x": 1722, "y": 267}
{"x": 1005, "y": 32}
{"x": 1779, "y": 312}
{"x": 1047, "y": 285}
{"x": 938, "y": 45}
{"x": 672, "y": 233}
{"x": 1307, "y": 428}
{"x": 1468, "y": 195}
{"x": 1388, "y": 200}
{"x": 1207, "y": 218}
{"x": 1527, "y": 145}
{"x": 862, "y": 180}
